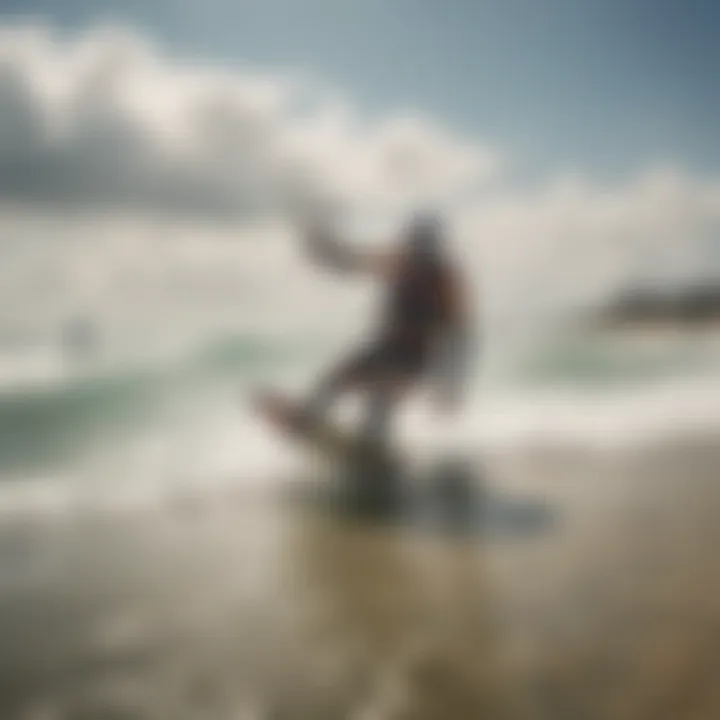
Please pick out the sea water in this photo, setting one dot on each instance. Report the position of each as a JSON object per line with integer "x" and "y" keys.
{"x": 151, "y": 570}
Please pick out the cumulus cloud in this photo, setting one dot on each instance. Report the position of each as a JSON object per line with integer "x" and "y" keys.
{"x": 107, "y": 120}
{"x": 572, "y": 242}
{"x": 116, "y": 162}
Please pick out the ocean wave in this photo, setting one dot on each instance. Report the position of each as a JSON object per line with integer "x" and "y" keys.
{"x": 159, "y": 419}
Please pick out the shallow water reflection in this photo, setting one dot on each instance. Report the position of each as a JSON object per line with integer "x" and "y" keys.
{"x": 241, "y": 605}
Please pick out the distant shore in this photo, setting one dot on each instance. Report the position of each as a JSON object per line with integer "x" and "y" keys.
{"x": 665, "y": 309}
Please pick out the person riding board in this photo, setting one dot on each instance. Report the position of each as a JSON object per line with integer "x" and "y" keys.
{"x": 425, "y": 325}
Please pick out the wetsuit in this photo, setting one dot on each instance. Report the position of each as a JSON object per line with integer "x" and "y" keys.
{"x": 414, "y": 315}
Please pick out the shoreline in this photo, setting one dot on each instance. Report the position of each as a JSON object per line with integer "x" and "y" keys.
{"x": 205, "y": 607}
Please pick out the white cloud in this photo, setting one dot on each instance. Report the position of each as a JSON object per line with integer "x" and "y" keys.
{"x": 107, "y": 120}
{"x": 116, "y": 162}
{"x": 571, "y": 242}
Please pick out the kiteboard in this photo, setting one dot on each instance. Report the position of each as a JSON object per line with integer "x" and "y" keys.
{"x": 376, "y": 480}
{"x": 371, "y": 471}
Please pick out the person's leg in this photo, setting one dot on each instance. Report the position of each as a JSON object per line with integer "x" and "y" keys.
{"x": 343, "y": 377}
{"x": 322, "y": 396}
{"x": 396, "y": 368}
{"x": 378, "y": 410}
{"x": 382, "y": 397}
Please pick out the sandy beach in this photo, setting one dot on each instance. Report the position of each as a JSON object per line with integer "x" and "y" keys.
{"x": 245, "y": 605}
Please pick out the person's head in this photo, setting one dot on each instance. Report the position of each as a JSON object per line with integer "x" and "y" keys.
{"x": 424, "y": 236}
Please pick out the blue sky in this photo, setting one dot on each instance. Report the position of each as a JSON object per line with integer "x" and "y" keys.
{"x": 603, "y": 87}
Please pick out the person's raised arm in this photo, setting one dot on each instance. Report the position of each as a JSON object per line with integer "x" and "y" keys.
{"x": 327, "y": 250}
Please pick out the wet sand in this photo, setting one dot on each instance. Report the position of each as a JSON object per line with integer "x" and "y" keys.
{"x": 243, "y": 605}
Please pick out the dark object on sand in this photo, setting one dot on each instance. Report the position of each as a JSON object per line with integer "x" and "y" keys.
{"x": 456, "y": 490}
